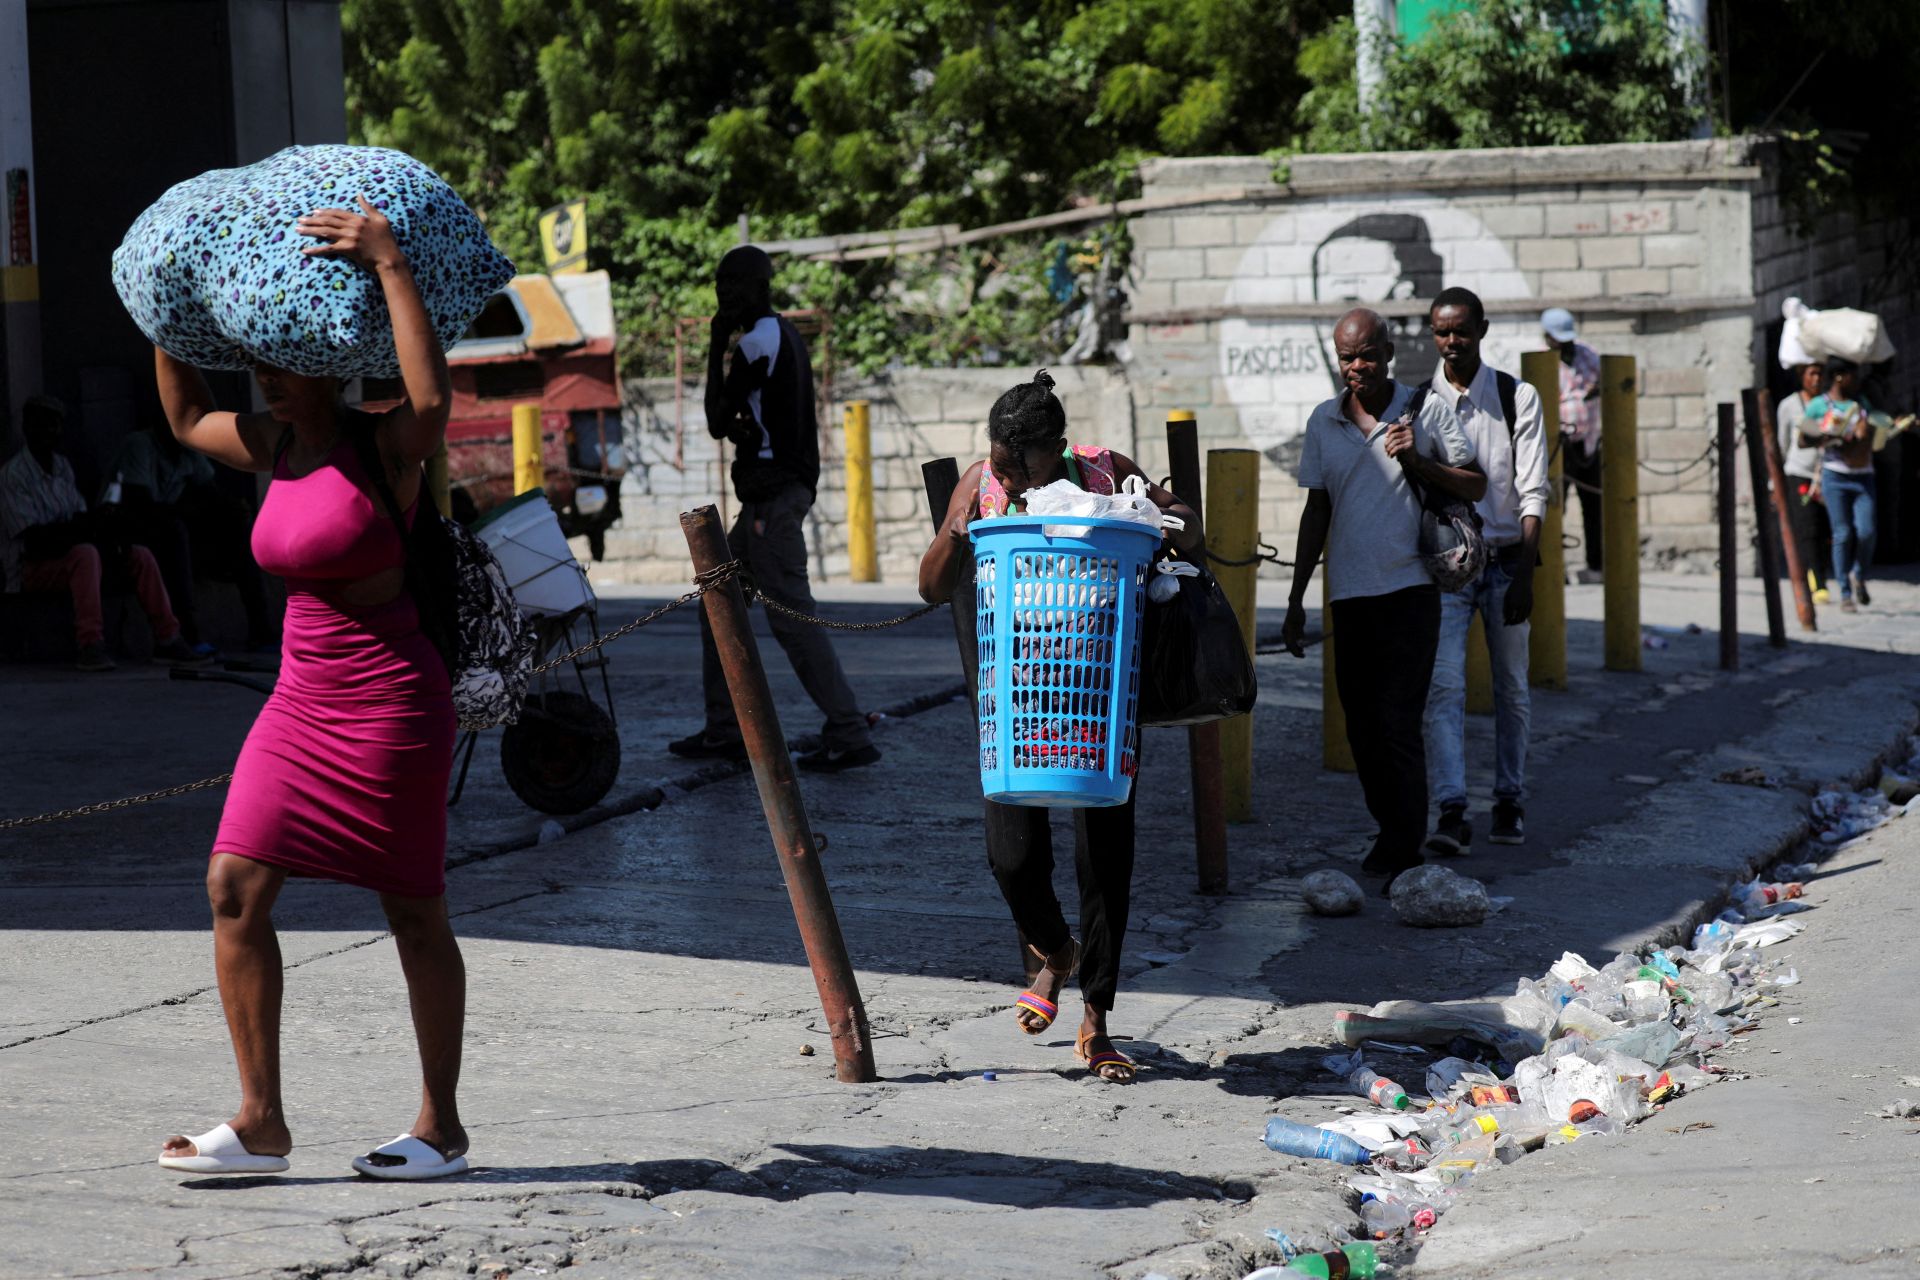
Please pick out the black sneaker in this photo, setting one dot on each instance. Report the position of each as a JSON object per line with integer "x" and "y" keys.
{"x": 92, "y": 657}
{"x": 1453, "y": 834}
{"x": 1860, "y": 590}
{"x": 1509, "y": 824}
{"x": 701, "y": 746}
{"x": 177, "y": 653}
{"x": 827, "y": 760}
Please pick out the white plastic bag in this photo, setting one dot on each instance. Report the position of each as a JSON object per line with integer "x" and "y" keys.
{"x": 1852, "y": 335}
{"x": 1793, "y": 353}
{"x": 1164, "y": 585}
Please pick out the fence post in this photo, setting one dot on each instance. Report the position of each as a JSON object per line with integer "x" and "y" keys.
{"x": 1620, "y": 509}
{"x": 786, "y": 812}
{"x": 1203, "y": 740}
{"x": 1769, "y": 572}
{"x": 529, "y": 467}
{"x": 1729, "y": 547}
{"x": 1547, "y": 636}
{"x": 1758, "y": 406}
{"x": 1233, "y": 533}
{"x": 863, "y": 553}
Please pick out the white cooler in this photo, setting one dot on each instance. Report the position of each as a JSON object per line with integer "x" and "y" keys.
{"x": 524, "y": 535}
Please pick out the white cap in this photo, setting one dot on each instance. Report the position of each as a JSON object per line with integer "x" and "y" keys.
{"x": 1558, "y": 322}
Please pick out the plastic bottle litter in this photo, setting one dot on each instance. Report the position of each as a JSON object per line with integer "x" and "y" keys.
{"x": 1366, "y": 1082}
{"x": 1357, "y": 1260}
{"x": 1291, "y": 1138}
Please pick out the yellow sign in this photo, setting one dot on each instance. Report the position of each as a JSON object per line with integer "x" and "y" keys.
{"x": 563, "y": 237}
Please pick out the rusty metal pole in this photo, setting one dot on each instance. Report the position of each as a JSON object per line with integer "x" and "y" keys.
{"x": 1204, "y": 764}
{"x": 1769, "y": 572}
{"x": 1729, "y": 544}
{"x": 1759, "y": 410}
{"x": 726, "y": 607}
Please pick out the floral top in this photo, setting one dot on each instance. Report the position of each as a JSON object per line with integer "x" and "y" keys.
{"x": 1087, "y": 466}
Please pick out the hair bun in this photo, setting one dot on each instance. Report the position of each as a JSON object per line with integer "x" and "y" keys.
{"x": 1043, "y": 379}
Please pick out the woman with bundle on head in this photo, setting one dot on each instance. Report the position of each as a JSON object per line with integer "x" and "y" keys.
{"x": 1028, "y": 449}
{"x": 344, "y": 774}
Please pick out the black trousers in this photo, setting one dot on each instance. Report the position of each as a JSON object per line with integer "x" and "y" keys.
{"x": 1583, "y": 464}
{"x": 1020, "y": 854}
{"x": 1811, "y": 531}
{"x": 1382, "y": 665}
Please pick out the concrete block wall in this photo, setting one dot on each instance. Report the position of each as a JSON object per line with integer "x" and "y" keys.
{"x": 1651, "y": 246}
{"x": 916, "y": 416}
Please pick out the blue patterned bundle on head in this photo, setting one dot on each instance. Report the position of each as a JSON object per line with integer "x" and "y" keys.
{"x": 213, "y": 272}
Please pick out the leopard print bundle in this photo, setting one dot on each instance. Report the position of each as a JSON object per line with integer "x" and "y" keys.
{"x": 213, "y": 273}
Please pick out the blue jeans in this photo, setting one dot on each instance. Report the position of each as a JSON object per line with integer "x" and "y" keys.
{"x": 1849, "y": 500}
{"x": 1446, "y": 726}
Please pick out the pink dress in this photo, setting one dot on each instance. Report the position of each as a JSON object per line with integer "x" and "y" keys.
{"x": 1088, "y": 466}
{"x": 344, "y": 775}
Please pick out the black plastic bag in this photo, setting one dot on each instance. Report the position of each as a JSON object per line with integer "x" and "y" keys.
{"x": 1194, "y": 665}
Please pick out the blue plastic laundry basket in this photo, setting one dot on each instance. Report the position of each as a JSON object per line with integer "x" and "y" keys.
{"x": 1059, "y": 626}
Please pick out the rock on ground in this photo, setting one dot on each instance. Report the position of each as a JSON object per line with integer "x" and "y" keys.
{"x": 1332, "y": 893}
{"x": 1437, "y": 897}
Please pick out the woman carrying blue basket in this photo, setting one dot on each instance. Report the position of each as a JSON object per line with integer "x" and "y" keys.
{"x": 1028, "y": 449}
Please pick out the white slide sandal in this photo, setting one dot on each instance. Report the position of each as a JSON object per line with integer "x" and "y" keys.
{"x": 221, "y": 1151}
{"x": 422, "y": 1161}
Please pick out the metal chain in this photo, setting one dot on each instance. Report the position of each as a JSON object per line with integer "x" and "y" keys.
{"x": 9, "y": 824}
{"x": 702, "y": 583}
{"x": 1264, "y": 553}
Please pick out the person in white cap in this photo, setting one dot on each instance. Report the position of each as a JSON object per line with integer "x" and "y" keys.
{"x": 1579, "y": 425}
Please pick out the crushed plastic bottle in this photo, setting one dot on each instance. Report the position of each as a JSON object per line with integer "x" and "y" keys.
{"x": 1366, "y": 1082}
{"x": 1294, "y": 1139}
{"x": 1466, "y": 1130}
{"x": 1385, "y": 1216}
{"x": 1357, "y": 1261}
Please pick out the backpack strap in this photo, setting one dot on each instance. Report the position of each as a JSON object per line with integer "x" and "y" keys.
{"x": 1509, "y": 390}
{"x": 363, "y": 430}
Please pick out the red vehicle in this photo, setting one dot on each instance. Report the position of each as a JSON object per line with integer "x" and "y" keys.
{"x": 545, "y": 340}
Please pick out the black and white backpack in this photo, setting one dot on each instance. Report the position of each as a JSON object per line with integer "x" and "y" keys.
{"x": 1452, "y": 548}
{"x": 466, "y": 607}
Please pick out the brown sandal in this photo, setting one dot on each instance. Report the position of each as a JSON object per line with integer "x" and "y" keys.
{"x": 1031, "y": 1005}
{"x": 1108, "y": 1064}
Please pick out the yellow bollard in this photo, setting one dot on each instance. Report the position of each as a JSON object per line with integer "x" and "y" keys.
{"x": 1479, "y": 668}
{"x": 1232, "y": 522}
{"x": 437, "y": 479}
{"x": 863, "y": 553}
{"x": 1336, "y": 752}
{"x": 529, "y": 465}
{"x": 1547, "y": 641}
{"x": 1620, "y": 510}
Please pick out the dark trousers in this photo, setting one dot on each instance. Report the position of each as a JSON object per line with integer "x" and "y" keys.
{"x": 1811, "y": 531}
{"x": 1020, "y": 854}
{"x": 1582, "y": 464}
{"x": 769, "y": 541}
{"x": 1383, "y": 655}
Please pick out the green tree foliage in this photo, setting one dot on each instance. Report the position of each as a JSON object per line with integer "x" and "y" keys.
{"x": 1509, "y": 73}
{"x": 675, "y": 116}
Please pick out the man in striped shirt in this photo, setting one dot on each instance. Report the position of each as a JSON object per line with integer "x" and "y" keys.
{"x": 50, "y": 543}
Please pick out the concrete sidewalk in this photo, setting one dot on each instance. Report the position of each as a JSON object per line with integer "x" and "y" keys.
{"x": 635, "y": 1082}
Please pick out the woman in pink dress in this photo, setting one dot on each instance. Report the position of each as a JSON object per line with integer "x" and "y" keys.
{"x": 344, "y": 774}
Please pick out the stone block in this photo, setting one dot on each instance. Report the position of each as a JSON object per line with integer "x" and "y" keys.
{"x": 1638, "y": 280}
{"x": 1225, "y": 264}
{"x": 1199, "y": 293}
{"x": 1576, "y": 219}
{"x": 1655, "y": 412}
{"x": 1671, "y": 250}
{"x": 1601, "y": 252}
{"x": 1685, "y": 381}
{"x": 1686, "y": 282}
{"x": 1150, "y": 296}
{"x": 1514, "y": 221}
{"x": 1665, "y": 509}
{"x": 1202, "y": 230}
{"x": 1640, "y": 217}
{"x": 1173, "y": 264}
{"x": 1569, "y": 284}
{"x": 1153, "y": 231}
{"x": 1547, "y": 255}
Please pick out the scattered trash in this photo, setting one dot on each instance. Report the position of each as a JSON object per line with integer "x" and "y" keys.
{"x": 1899, "y": 789}
{"x": 1332, "y": 893}
{"x": 551, "y": 830}
{"x": 1653, "y": 640}
{"x": 1288, "y": 1249}
{"x": 1432, "y": 897}
{"x": 1293, "y": 1139}
{"x": 1898, "y": 1109}
{"x": 1365, "y": 1081}
{"x": 1794, "y": 1022}
{"x": 1357, "y": 1260}
{"x": 1750, "y": 776}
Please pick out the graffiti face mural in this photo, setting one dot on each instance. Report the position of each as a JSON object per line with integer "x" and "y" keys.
{"x": 1364, "y": 253}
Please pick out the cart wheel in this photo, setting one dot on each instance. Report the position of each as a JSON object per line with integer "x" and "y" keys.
{"x": 563, "y": 754}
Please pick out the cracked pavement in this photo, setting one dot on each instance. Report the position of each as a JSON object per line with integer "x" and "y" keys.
{"x": 635, "y": 1082}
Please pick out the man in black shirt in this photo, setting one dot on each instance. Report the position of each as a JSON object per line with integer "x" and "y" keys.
{"x": 762, "y": 400}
